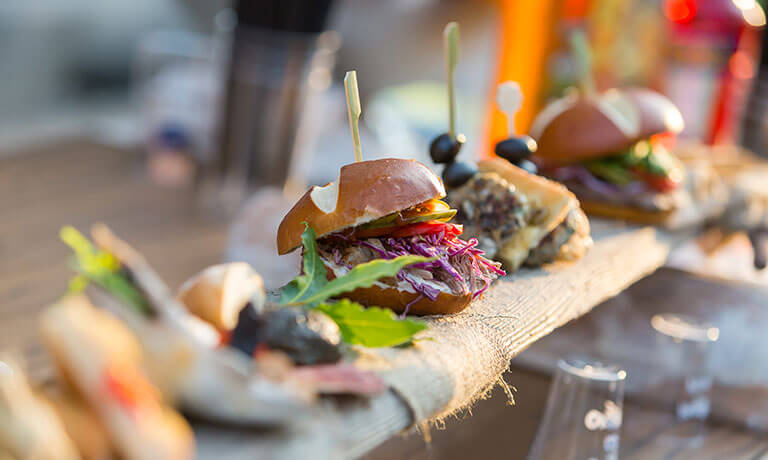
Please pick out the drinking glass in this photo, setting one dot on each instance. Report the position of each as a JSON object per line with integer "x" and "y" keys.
{"x": 583, "y": 413}
{"x": 684, "y": 345}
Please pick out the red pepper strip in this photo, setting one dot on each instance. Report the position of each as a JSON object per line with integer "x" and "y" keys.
{"x": 428, "y": 227}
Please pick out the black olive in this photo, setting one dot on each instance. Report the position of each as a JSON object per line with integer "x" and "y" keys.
{"x": 458, "y": 173}
{"x": 758, "y": 238}
{"x": 528, "y": 165}
{"x": 445, "y": 148}
{"x": 516, "y": 149}
{"x": 306, "y": 337}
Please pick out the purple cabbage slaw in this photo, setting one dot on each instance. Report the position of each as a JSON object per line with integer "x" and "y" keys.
{"x": 589, "y": 180}
{"x": 435, "y": 245}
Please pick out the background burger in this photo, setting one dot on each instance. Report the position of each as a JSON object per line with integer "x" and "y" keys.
{"x": 382, "y": 209}
{"x": 612, "y": 151}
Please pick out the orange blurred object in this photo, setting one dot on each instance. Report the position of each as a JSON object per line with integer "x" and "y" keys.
{"x": 128, "y": 387}
{"x": 525, "y": 36}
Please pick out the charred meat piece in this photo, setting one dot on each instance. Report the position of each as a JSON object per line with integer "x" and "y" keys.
{"x": 490, "y": 209}
{"x": 306, "y": 337}
{"x": 549, "y": 247}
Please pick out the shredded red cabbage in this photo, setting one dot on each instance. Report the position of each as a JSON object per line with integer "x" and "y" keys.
{"x": 410, "y": 304}
{"x": 590, "y": 181}
{"x": 457, "y": 259}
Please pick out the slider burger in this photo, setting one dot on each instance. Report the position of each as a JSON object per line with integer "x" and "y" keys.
{"x": 381, "y": 209}
{"x": 609, "y": 149}
{"x": 520, "y": 218}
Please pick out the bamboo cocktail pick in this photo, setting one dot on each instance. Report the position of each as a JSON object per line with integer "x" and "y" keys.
{"x": 583, "y": 54}
{"x": 353, "y": 110}
{"x": 451, "y": 48}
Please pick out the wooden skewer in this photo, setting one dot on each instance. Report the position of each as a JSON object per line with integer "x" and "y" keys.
{"x": 583, "y": 54}
{"x": 451, "y": 48}
{"x": 353, "y": 110}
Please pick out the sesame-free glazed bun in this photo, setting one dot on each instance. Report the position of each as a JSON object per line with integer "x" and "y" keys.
{"x": 365, "y": 191}
{"x": 577, "y": 128}
{"x": 657, "y": 113}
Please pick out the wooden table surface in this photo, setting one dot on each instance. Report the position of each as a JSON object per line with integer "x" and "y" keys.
{"x": 80, "y": 183}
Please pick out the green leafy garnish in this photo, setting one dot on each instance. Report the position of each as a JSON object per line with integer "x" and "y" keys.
{"x": 313, "y": 272}
{"x": 372, "y": 326}
{"x": 628, "y": 166}
{"x": 100, "y": 267}
{"x": 363, "y": 275}
{"x": 312, "y": 286}
{"x": 611, "y": 169}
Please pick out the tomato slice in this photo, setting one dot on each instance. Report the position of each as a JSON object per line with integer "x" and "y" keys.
{"x": 428, "y": 227}
{"x": 667, "y": 139}
{"x": 661, "y": 183}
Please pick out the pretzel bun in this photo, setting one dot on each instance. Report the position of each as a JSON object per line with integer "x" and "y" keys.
{"x": 629, "y": 214}
{"x": 365, "y": 191}
{"x": 657, "y": 113}
{"x": 576, "y": 128}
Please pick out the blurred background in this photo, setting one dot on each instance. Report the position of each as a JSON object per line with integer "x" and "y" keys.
{"x": 190, "y": 126}
{"x": 255, "y": 86}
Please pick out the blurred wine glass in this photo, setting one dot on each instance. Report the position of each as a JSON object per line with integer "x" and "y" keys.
{"x": 583, "y": 413}
{"x": 684, "y": 345}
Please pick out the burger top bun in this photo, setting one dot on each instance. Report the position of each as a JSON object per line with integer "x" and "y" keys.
{"x": 657, "y": 113}
{"x": 577, "y": 128}
{"x": 365, "y": 191}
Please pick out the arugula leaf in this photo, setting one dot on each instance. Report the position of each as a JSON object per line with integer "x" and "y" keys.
{"x": 313, "y": 271}
{"x": 372, "y": 326}
{"x": 363, "y": 275}
{"x": 100, "y": 267}
{"x": 312, "y": 286}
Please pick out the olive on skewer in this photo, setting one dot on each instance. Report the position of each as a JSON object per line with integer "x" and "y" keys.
{"x": 445, "y": 147}
{"x": 515, "y": 149}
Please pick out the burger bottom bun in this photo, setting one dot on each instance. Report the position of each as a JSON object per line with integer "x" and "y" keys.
{"x": 629, "y": 214}
{"x": 396, "y": 299}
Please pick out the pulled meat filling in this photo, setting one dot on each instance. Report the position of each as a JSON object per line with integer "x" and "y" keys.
{"x": 549, "y": 248}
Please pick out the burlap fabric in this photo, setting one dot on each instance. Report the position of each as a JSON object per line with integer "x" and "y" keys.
{"x": 460, "y": 357}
